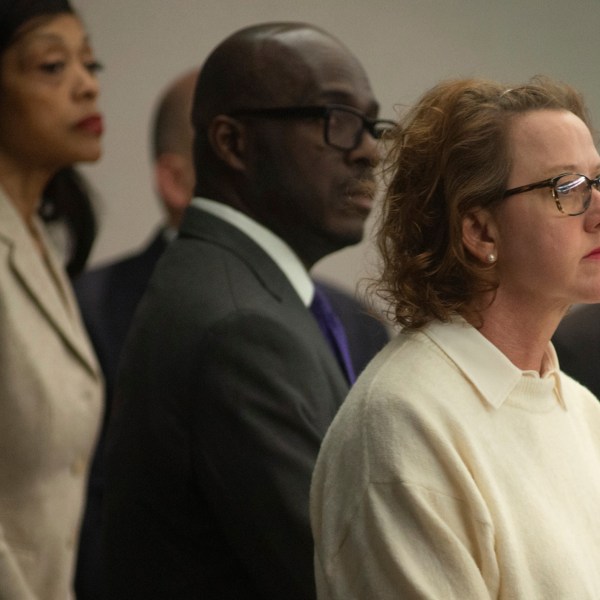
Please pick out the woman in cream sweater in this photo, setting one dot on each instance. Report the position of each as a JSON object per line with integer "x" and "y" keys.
{"x": 464, "y": 464}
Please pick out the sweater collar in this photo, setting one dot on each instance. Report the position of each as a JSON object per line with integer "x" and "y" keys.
{"x": 490, "y": 371}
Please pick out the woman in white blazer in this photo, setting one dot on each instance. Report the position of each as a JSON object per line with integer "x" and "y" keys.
{"x": 50, "y": 385}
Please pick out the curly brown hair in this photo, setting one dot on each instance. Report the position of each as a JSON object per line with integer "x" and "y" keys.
{"x": 449, "y": 155}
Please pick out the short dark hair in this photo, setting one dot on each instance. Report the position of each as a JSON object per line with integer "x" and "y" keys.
{"x": 449, "y": 156}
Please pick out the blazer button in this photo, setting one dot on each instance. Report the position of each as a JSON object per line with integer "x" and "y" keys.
{"x": 78, "y": 467}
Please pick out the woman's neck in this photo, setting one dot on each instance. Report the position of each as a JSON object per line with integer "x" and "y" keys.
{"x": 519, "y": 330}
{"x": 23, "y": 186}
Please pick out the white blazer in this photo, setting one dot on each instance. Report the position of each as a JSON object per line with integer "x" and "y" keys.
{"x": 50, "y": 402}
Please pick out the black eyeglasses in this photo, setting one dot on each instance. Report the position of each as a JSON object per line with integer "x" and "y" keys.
{"x": 572, "y": 192}
{"x": 343, "y": 125}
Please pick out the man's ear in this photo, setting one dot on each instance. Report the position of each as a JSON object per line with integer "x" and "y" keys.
{"x": 227, "y": 137}
{"x": 480, "y": 235}
{"x": 174, "y": 176}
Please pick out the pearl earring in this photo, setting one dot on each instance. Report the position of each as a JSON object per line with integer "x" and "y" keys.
{"x": 491, "y": 258}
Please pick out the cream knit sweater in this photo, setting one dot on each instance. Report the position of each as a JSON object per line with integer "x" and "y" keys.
{"x": 451, "y": 474}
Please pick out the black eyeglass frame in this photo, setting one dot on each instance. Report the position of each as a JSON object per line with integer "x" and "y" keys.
{"x": 320, "y": 112}
{"x": 551, "y": 183}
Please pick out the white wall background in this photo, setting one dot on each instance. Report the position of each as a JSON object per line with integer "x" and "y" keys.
{"x": 405, "y": 45}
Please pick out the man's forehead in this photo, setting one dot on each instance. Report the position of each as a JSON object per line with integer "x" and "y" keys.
{"x": 324, "y": 69}
{"x": 316, "y": 50}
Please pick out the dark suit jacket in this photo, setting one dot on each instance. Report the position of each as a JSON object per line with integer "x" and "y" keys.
{"x": 577, "y": 344}
{"x": 108, "y": 297}
{"x": 225, "y": 392}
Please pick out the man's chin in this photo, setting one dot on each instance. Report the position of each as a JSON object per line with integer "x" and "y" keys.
{"x": 349, "y": 234}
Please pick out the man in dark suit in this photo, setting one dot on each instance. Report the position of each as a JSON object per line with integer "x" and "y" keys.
{"x": 227, "y": 384}
{"x": 577, "y": 344}
{"x": 109, "y": 295}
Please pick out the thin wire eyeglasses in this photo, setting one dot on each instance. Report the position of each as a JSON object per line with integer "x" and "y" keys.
{"x": 572, "y": 192}
{"x": 343, "y": 125}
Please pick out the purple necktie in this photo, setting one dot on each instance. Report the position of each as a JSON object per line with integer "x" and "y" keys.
{"x": 333, "y": 331}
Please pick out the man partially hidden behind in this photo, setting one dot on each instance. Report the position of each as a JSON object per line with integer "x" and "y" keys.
{"x": 227, "y": 383}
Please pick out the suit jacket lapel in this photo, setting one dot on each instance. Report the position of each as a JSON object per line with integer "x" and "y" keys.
{"x": 53, "y": 297}
{"x": 201, "y": 224}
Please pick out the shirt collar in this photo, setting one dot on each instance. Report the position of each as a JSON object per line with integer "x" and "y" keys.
{"x": 551, "y": 368}
{"x": 490, "y": 371}
{"x": 285, "y": 258}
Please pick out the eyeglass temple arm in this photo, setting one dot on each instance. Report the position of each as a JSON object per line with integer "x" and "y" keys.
{"x": 527, "y": 188}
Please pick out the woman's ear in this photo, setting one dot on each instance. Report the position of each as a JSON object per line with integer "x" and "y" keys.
{"x": 480, "y": 235}
{"x": 227, "y": 137}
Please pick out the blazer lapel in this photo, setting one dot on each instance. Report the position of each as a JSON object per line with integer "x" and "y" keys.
{"x": 46, "y": 285}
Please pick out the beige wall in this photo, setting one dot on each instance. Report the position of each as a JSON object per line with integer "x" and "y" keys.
{"x": 405, "y": 45}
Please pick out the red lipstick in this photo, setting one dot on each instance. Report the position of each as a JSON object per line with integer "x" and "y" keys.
{"x": 92, "y": 124}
